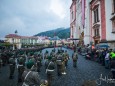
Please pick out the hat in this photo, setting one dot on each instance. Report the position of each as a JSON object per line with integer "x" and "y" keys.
{"x": 29, "y": 64}
{"x": 46, "y": 51}
{"x": 49, "y": 57}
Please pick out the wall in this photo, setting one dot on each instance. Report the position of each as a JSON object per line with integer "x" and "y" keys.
{"x": 109, "y": 35}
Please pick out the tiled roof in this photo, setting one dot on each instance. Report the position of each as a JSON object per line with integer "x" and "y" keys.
{"x": 17, "y": 36}
{"x": 30, "y": 37}
{"x": 12, "y": 36}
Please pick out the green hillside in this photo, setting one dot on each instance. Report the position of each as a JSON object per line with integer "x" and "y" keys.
{"x": 60, "y": 32}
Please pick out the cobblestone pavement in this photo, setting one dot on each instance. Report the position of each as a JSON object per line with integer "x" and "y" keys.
{"x": 86, "y": 70}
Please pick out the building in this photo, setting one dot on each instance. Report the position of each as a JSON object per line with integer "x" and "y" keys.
{"x": 97, "y": 21}
{"x": 110, "y": 22}
{"x": 74, "y": 34}
{"x": 80, "y": 19}
{"x": 86, "y": 18}
{"x": 94, "y": 21}
{"x": 19, "y": 41}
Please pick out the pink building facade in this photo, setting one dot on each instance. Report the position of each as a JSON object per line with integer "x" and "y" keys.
{"x": 73, "y": 19}
{"x": 97, "y": 21}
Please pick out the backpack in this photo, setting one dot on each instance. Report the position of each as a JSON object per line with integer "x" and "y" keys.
{"x": 75, "y": 57}
{"x": 12, "y": 61}
{"x": 59, "y": 60}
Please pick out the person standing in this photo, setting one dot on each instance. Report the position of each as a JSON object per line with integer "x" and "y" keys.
{"x": 50, "y": 67}
{"x": 59, "y": 61}
{"x": 75, "y": 58}
{"x": 31, "y": 78}
{"x": 39, "y": 59}
{"x": 21, "y": 63}
{"x": 107, "y": 60}
{"x": 66, "y": 58}
{"x": 113, "y": 64}
{"x": 0, "y": 63}
{"x": 12, "y": 66}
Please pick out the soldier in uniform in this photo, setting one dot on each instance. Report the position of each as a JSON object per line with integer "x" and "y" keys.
{"x": 75, "y": 58}
{"x": 0, "y": 62}
{"x": 66, "y": 58}
{"x": 39, "y": 59}
{"x": 46, "y": 55}
{"x": 12, "y": 66}
{"x": 41, "y": 56}
{"x": 21, "y": 64}
{"x": 50, "y": 66}
{"x": 53, "y": 55}
{"x": 31, "y": 78}
{"x": 59, "y": 61}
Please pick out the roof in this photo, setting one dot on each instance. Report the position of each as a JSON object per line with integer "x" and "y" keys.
{"x": 73, "y": 39}
{"x": 29, "y": 37}
{"x": 17, "y": 36}
{"x": 54, "y": 38}
{"x": 12, "y": 36}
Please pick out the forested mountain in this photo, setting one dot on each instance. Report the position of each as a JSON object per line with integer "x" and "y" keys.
{"x": 60, "y": 32}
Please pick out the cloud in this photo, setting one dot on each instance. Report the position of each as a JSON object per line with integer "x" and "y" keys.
{"x": 30, "y": 17}
{"x": 57, "y": 7}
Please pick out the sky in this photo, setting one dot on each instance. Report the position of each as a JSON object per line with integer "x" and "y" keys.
{"x": 30, "y": 17}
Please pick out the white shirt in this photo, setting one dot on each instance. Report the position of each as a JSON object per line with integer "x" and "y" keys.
{"x": 107, "y": 56}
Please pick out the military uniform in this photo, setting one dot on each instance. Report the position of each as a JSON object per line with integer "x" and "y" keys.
{"x": 12, "y": 67}
{"x": 0, "y": 63}
{"x": 21, "y": 63}
{"x": 59, "y": 61}
{"x": 39, "y": 59}
{"x": 66, "y": 58}
{"x": 50, "y": 66}
{"x": 31, "y": 78}
{"x": 46, "y": 55}
{"x": 75, "y": 57}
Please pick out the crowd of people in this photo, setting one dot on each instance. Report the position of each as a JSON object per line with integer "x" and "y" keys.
{"x": 104, "y": 56}
{"x": 29, "y": 63}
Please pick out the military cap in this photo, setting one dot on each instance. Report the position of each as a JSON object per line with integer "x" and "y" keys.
{"x": 29, "y": 64}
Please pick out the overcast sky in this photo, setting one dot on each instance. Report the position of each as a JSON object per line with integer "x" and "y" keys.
{"x": 30, "y": 17}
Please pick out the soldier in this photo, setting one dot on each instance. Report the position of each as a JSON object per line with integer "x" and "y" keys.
{"x": 39, "y": 59}
{"x": 35, "y": 66}
{"x": 41, "y": 56}
{"x": 53, "y": 55}
{"x": 75, "y": 58}
{"x": 46, "y": 55}
{"x": 31, "y": 78}
{"x": 21, "y": 63}
{"x": 59, "y": 61}
{"x": 12, "y": 66}
{"x": 66, "y": 58}
{"x": 0, "y": 62}
{"x": 50, "y": 66}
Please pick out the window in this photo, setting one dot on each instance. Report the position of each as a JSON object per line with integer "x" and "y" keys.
{"x": 113, "y": 24}
{"x": 96, "y": 16}
{"x": 113, "y": 6}
{"x": 96, "y": 32}
{"x": 72, "y": 14}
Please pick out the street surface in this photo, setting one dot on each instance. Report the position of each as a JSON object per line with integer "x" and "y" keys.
{"x": 86, "y": 70}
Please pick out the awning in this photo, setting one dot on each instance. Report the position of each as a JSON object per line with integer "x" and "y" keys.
{"x": 73, "y": 39}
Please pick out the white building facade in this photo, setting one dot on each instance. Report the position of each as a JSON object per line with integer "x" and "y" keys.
{"x": 110, "y": 22}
